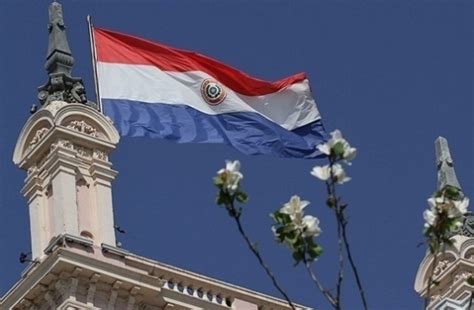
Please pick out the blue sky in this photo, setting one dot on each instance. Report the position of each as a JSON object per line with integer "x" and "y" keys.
{"x": 392, "y": 75}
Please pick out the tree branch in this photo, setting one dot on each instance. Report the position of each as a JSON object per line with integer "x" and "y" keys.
{"x": 340, "y": 252}
{"x": 351, "y": 261}
{"x": 236, "y": 216}
{"x": 319, "y": 285}
{"x": 342, "y": 236}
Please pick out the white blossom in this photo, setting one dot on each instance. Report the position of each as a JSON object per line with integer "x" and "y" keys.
{"x": 462, "y": 205}
{"x": 452, "y": 208}
{"x": 349, "y": 154}
{"x": 336, "y": 138}
{"x": 324, "y": 173}
{"x": 324, "y": 148}
{"x": 307, "y": 225}
{"x": 231, "y": 175}
{"x": 310, "y": 225}
{"x": 339, "y": 174}
{"x": 430, "y": 218}
{"x": 321, "y": 172}
{"x": 294, "y": 208}
{"x": 274, "y": 231}
{"x": 434, "y": 201}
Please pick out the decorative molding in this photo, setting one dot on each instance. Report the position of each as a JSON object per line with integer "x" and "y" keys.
{"x": 113, "y": 294}
{"x": 132, "y": 297}
{"x": 467, "y": 228}
{"x": 92, "y": 280}
{"x": 50, "y": 300}
{"x": 39, "y": 134}
{"x": 201, "y": 292}
{"x": 92, "y": 289}
{"x": 84, "y": 127}
{"x": 32, "y": 170}
{"x": 100, "y": 155}
{"x": 65, "y": 143}
{"x": 55, "y": 106}
{"x": 441, "y": 266}
{"x": 83, "y": 151}
{"x": 462, "y": 275}
{"x": 74, "y": 282}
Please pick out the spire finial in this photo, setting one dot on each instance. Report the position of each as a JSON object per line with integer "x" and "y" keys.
{"x": 59, "y": 61}
{"x": 444, "y": 163}
{"x": 59, "y": 57}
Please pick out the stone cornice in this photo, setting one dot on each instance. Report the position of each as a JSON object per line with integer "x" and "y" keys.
{"x": 146, "y": 282}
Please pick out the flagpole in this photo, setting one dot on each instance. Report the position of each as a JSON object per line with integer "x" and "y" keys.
{"x": 94, "y": 63}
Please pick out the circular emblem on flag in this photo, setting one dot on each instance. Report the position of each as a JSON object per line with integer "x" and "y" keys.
{"x": 212, "y": 92}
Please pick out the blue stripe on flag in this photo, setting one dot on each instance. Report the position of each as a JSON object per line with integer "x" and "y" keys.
{"x": 248, "y": 132}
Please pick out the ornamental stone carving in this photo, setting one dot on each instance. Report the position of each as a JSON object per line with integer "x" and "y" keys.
{"x": 40, "y": 133}
{"x": 468, "y": 226}
{"x": 441, "y": 266}
{"x": 82, "y": 126}
{"x": 462, "y": 275}
{"x": 82, "y": 151}
{"x": 435, "y": 298}
{"x": 54, "y": 106}
{"x": 99, "y": 155}
{"x": 63, "y": 143}
{"x": 31, "y": 170}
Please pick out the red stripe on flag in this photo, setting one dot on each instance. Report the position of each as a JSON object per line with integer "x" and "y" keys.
{"x": 114, "y": 47}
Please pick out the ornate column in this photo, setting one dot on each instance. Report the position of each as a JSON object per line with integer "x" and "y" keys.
{"x": 39, "y": 219}
{"x": 69, "y": 175}
{"x": 64, "y": 146}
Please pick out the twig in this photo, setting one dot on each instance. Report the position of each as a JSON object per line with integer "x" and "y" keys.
{"x": 318, "y": 283}
{"x": 340, "y": 252}
{"x": 351, "y": 261}
{"x": 331, "y": 188}
{"x": 342, "y": 222}
{"x": 236, "y": 216}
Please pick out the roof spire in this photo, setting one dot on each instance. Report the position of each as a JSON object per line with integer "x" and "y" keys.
{"x": 59, "y": 61}
{"x": 444, "y": 163}
{"x": 447, "y": 176}
{"x": 59, "y": 57}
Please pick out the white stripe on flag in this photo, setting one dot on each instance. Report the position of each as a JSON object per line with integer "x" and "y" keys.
{"x": 291, "y": 108}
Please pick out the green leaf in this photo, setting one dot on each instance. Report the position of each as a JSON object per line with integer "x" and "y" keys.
{"x": 223, "y": 198}
{"x": 241, "y": 197}
{"x": 219, "y": 199}
{"x": 315, "y": 251}
{"x": 286, "y": 219}
{"x": 297, "y": 256}
{"x": 218, "y": 181}
{"x": 280, "y": 230}
{"x": 338, "y": 149}
{"x": 451, "y": 192}
{"x": 291, "y": 238}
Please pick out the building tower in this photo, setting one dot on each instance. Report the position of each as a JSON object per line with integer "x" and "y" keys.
{"x": 64, "y": 147}
{"x": 456, "y": 264}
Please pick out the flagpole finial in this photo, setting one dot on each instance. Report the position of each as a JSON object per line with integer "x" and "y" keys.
{"x": 61, "y": 85}
{"x": 445, "y": 165}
